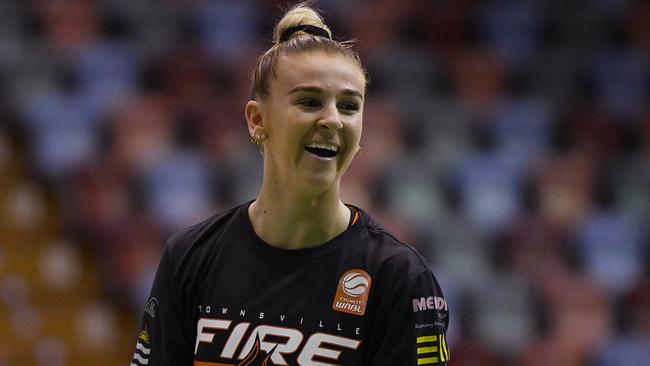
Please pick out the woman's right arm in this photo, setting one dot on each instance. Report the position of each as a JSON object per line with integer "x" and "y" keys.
{"x": 165, "y": 335}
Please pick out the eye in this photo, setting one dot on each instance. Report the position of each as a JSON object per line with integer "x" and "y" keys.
{"x": 309, "y": 103}
{"x": 349, "y": 107}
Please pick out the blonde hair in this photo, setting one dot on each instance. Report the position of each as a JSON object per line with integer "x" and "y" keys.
{"x": 300, "y": 14}
{"x": 297, "y": 27}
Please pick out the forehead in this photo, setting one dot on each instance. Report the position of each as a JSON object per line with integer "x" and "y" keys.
{"x": 332, "y": 71}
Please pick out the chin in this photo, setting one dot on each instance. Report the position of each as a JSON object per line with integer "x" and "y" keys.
{"x": 321, "y": 182}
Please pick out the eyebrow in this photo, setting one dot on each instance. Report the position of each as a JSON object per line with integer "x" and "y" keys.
{"x": 315, "y": 89}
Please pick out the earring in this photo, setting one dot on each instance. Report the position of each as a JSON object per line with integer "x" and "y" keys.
{"x": 359, "y": 149}
{"x": 256, "y": 139}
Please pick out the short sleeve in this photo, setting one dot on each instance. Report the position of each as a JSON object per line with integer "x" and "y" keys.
{"x": 411, "y": 325}
{"x": 164, "y": 337}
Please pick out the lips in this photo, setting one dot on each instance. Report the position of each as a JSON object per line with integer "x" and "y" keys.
{"x": 322, "y": 150}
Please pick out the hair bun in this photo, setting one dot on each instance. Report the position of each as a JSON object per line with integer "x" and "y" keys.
{"x": 310, "y": 29}
{"x": 300, "y": 20}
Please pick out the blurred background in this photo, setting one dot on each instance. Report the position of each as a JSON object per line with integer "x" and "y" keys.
{"x": 509, "y": 141}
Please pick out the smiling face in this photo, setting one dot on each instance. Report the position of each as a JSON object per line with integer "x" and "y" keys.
{"x": 311, "y": 120}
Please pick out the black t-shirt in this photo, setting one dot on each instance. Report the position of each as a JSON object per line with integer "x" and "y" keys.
{"x": 222, "y": 296}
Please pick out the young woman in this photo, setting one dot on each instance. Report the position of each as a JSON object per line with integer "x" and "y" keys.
{"x": 296, "y": 277}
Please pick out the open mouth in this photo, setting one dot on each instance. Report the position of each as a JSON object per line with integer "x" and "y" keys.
{"x": 322, "y": 150}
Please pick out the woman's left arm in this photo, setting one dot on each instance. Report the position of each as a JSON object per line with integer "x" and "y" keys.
{"x": 411, "y": 324}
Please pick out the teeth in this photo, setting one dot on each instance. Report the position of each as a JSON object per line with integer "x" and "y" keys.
{"x": 322, "y": 146}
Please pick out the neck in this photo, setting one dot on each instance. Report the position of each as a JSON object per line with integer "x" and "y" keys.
{"x": 292, "y": 221}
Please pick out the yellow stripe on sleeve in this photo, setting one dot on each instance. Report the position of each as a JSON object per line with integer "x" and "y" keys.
{"x": 427, "y": 361}
{"x": 433, "y": 349}
{"x": 426, "y": 339}
{"x": 444, "y": 351}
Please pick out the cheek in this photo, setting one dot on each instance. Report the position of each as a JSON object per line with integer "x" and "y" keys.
{"x": 279, "y": 125}
{"x": 354, "y": 131}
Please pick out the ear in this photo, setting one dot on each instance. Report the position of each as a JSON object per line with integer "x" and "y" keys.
{"x": 254, "y": 117}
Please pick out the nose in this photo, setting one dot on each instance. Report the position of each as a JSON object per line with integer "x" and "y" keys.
{"x": 330, "y": 117}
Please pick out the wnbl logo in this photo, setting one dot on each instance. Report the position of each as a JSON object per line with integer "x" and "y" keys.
{"x": 352, "y": 292}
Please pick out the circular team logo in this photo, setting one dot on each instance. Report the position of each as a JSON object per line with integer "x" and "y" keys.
{"x": 355, "y": 284}
{"x": 352, "y": 292}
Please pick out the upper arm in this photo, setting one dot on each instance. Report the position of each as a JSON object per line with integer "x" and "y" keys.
{"x": 411, "y": 324}
{"x": 165, "y": 334}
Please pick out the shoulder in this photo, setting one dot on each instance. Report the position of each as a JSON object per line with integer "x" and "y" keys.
{"x": 401, "y": 272}
{"x": 202, "y": 237}
{"x": 395, "y": 256}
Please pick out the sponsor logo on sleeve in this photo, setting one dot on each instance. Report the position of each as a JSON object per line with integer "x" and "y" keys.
{"x": 151, "y": 307}
{"x": 352, "y": 292}
{"x": 142, "y": 351}
{"x": 144, "y": 335}
{"x": 143, "y": 348}
{"x": 429, "y": 303}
